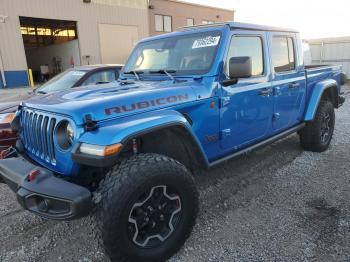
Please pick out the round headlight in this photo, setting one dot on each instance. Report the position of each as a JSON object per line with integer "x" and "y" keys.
{"x": 70, "y": 133}
{"x": 64, "y": 135}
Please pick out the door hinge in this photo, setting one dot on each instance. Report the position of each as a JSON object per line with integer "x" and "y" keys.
{"x": 225, "y": 133}
{"x": 224, "y": 101}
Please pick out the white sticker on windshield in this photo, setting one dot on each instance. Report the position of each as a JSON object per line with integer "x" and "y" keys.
{"x": 205, "y": 42}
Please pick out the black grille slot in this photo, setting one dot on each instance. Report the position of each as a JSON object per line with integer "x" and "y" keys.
{"x": 44, "y": 134}
{"x": 38, "y": 134}
{"x": 50, "y": 143}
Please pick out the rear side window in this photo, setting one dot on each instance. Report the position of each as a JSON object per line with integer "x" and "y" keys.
{"x": 283, "y": 57}
{"x": 247, "y": 46}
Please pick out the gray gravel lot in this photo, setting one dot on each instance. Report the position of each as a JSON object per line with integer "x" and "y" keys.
{"x": 275, "y": 204}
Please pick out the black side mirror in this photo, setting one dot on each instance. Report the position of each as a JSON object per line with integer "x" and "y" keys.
{"x": 239, "y": 67}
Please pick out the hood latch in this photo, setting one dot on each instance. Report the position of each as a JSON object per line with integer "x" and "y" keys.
{"x": 90, "y": 125}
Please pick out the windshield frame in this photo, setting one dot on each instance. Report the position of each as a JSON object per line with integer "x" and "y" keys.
{"x": 178, "y": 35}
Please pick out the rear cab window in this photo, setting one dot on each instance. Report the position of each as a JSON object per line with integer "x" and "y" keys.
{"x": 283, "y": 54}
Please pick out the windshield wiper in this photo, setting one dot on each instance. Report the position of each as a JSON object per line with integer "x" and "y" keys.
{"x": 135, "y": 73}
{"x": 166, "y": 72}
{"x": 41, "y": 92}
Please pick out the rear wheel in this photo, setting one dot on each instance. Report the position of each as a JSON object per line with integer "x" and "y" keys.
{"x": 317, "y": 135}
{"x": 147, "y": 209}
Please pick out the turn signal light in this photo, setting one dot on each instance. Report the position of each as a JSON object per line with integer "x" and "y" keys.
{"x": 98, "y": 150}
{"x": 113, "y": 149}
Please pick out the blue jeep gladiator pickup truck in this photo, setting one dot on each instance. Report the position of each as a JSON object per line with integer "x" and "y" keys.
{"x": 125, "y": 152}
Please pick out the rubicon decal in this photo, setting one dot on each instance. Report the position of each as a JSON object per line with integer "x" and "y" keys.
{"x": 146, "y": 104}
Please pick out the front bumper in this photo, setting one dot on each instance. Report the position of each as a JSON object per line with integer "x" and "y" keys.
{"x": 45, "y": 194}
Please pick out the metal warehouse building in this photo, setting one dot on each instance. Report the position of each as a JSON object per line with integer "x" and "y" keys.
{"x": 334, "y": 50}
{"x": 53, "y": 34}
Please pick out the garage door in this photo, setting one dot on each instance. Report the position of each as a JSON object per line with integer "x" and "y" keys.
{"x": 116, "y": 42}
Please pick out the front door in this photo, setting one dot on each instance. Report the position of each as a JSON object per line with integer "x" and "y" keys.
{"x": 288, "y": 82}
{"x": 247, "y": 106}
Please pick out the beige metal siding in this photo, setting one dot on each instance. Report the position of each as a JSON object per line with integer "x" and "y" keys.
{"x": 88, "y": 17}
{"x": 335, "y": 51}
{"x": 116, "y": 42}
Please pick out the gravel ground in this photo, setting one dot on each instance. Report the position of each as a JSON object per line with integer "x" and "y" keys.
{"x": 275, "y": 204}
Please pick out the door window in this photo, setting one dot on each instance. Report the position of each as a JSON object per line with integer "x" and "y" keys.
{"x": 283, "y": 57}
{"x": 247, "y": 46}
{"x": 101, "y": 77}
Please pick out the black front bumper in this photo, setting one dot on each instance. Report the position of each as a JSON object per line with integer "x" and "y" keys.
{"x": 45, "y": 195}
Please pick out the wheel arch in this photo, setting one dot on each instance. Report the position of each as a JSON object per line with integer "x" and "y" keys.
{"x": 174, "y": 140}
{"x": 328, "y": 90}
{"x": 167, "y": 132}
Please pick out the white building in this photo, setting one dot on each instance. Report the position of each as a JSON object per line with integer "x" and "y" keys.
{"x": 66, "y": 33}
{"x": 334, "y": 51}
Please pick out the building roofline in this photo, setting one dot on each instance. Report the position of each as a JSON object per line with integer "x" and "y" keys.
{"x": 336, "y": 39}
{"x": 200, "y": 5}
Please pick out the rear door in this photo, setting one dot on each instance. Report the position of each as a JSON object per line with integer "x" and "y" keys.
{"x": 247, "y": 106}
{"x": 288, "y": 81}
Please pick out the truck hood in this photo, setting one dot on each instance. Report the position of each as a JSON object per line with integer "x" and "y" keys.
{"x": 115, "y": 100}
{"x": 9, "y": 107}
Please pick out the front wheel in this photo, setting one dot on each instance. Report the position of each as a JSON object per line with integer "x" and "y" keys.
{"x": 317, "y": 135}
{"x": 147, "y": 210}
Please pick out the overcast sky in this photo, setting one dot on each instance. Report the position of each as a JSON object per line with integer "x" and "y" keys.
{"x": 313, "y": 18}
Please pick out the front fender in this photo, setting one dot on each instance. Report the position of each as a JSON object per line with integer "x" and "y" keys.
{"x": 122, "y": 129}
{"x": 316, "y": 96}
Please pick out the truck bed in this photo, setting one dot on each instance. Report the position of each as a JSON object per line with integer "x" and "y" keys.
{"x": 322, "y": 72}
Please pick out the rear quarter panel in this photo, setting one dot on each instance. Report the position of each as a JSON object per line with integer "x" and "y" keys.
{"x": 321, "y": 73}
{"x": 318, "y": 80}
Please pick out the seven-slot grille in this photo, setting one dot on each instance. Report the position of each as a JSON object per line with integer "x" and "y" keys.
{"x": 37, "y": 134}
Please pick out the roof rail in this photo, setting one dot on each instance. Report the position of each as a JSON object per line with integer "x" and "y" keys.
{"x": 237, "y": 25}
{"x": 192, "y": 27}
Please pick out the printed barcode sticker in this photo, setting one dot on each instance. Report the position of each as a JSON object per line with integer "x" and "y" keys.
{"x": 205, "y": 42}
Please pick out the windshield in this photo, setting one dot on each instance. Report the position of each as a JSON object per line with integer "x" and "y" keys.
{"x": 182, "y": 55}
{"x": 62, "y": 81}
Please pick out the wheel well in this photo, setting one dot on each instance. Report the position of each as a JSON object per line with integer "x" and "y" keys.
{"x": 331, "y": 94}
{"x": 175, "y": 142}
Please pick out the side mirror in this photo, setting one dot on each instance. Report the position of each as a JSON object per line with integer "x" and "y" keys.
{"x": 239, "y": 67}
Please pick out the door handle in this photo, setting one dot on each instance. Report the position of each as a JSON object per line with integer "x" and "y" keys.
{"x": 294, "y": 85}
{"x": 265, "y": 92}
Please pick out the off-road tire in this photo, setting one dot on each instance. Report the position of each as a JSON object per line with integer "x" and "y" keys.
{"x": 117, "y": 194}
{"x": 310, "y": 135}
